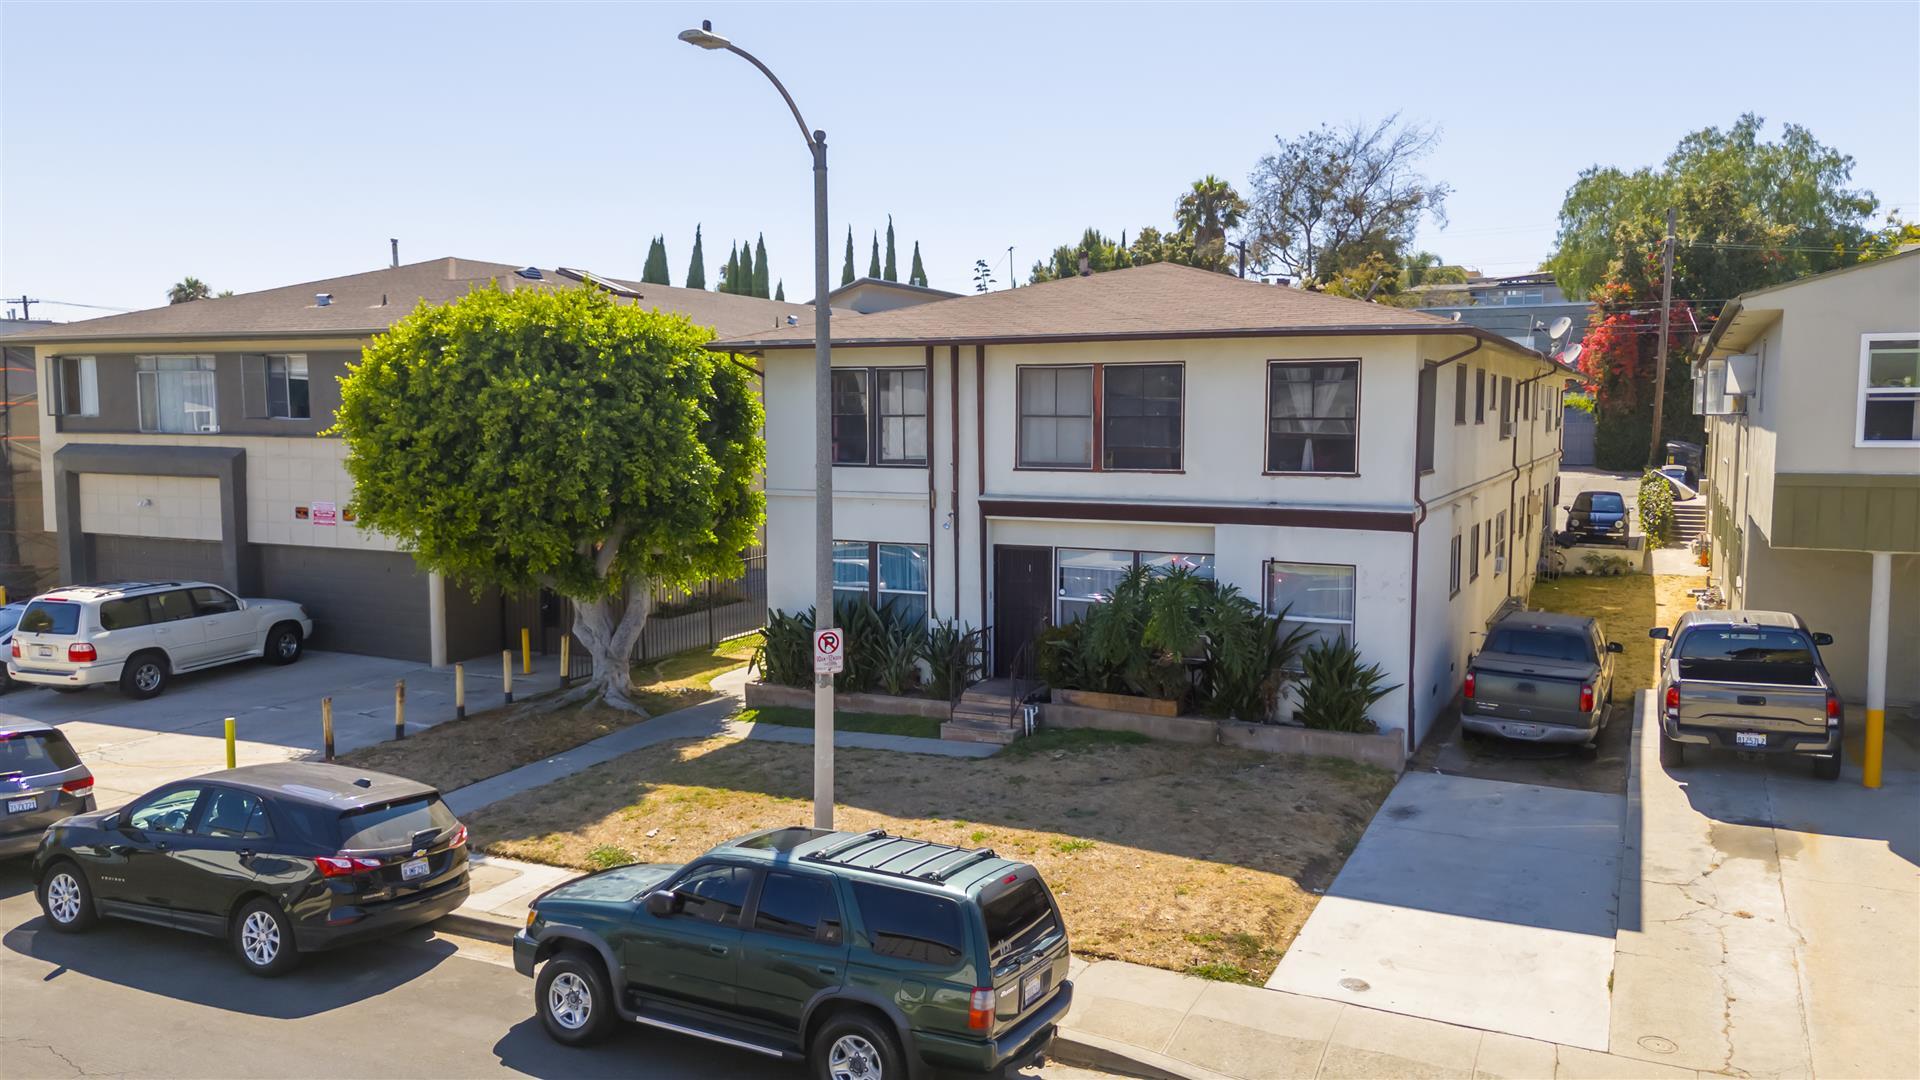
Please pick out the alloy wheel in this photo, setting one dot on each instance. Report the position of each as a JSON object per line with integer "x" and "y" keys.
{"x": 570, "y": 1000}
{"x": 147, "y": 676}
{"x": 260, "y": 938}
{"x": 287, "y": 645}
{"x": 63, "y": 898}
{"x": 853, "y": 1058}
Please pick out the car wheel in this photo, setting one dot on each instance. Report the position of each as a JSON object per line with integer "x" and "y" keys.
{"x": 66, "y": 898}
{"x": 1827, "y": 768}
{"x": 144, "y": 676}
{"x": 284, "y": 644}
{"x": 263, "y": 939}
{"x": 574, "y": 1000}
{"x": 1672, "y": 754}
{"x": 855, "y": 1046}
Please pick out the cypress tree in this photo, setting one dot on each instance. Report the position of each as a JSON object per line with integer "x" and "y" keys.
{"x": 760, "y": 267}
{"x": 892, "y": 272}
{"x": 744, "y": 285}
{"x": 656, "y": 271}
{"x": 873, "y": 265}
{"x": 730, "y": 277}
{"x": 846, "y": 272}
{"x": 697, "y": 269}
{"x": 780, "y": 290}
{"x": 918, "y": 275}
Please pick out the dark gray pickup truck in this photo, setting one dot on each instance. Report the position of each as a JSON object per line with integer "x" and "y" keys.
{"x": 1750, "y": 681}
{"x": 1542, "y": 677}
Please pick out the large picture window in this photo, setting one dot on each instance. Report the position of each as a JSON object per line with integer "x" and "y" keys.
{"x": 1313, "y": 416}
{"x": 1088, "y": 577}
{"x": 1142, "y": 417}
{"x": 885, "y": 575}
{"x": 176, "y": 394}
{"x": 1056, "y": 417}
{"x": 1317, "y": 597}
{"x": 1889, "y": 390}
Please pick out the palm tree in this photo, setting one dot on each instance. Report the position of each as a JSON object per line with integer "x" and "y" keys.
{"x": 188, "y": 288}
{"x": 1205, "y": 213}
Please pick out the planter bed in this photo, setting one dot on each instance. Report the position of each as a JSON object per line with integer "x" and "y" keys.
{"x": 1131, "y": 703}
{"x": 801, "y": 697}
{"x": 1382, "y": 750}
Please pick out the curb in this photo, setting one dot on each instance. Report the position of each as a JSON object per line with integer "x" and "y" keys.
{"x": 1090, "y": 1051}
{"x": 491, "y": 928}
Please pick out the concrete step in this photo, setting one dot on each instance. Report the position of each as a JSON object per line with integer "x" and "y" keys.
{"x": 968, "y": 731}
{"x": 995, "y": 715}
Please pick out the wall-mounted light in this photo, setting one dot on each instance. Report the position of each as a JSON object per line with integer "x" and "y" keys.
{"x": 143, "y": 503}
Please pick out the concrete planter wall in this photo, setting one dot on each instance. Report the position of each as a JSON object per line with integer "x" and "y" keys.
{"x": 1383, "y": 751}
{"x": 801, "y": 697}
{"x": 1089, "y": 699}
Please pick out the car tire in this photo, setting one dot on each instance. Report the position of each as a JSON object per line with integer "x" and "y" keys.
{"x": 284, "y": 644}
{"x": 1827, "y": 768}
{"x": 1672, "y": 754}
{"x": 574, "y": 1000}
{"x": 145, "y": 675}
{"x": 263, "y": 939}
{"x": 856, "y": 1035}
{"x": 67, "y": 899}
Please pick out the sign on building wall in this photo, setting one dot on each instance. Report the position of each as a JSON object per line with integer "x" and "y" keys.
{"x": 326, "y": 513}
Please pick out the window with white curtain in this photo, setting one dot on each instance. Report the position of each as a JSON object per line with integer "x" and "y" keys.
{"x": 76, "y": 381}
{"x": 885, "y": 575}
{"x": 176, "y": 394}
{"x": 1313, "y": 416}
{"x": 1056, "y": 417}
{"x": 1315, "y": 596}
{"x": 1088, "y": 577}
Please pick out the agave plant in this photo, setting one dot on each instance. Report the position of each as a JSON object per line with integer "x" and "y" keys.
{"x": 785, "y": 653}
{"x": 955, "y": 656}
{"x": 1337, "y": 691}
{"x": 897, "y": 660}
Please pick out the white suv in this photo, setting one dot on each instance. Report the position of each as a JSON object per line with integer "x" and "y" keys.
{"x": 140, "y": 634}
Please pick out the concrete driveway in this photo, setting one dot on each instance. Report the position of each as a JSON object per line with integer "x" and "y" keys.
{"x": 134, "y": 746}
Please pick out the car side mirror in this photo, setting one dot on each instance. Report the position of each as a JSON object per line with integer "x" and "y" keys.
{"x": 662, "y": 903}
{"x": 1659, "y": 632}
{"x": 1823, "y": 639}
{"x": 112, "y": 821}
{"x": 1614, "y": 646}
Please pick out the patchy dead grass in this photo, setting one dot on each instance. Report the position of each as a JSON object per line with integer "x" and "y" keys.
{"x": 1626, "y": 608}
{"x": 1187, "y": 858}
{"x": 459, "y": 752}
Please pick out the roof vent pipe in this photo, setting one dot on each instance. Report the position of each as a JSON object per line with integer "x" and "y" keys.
{"x": 322, "y": 299}
{"x": 1085, "y": 271}
{"x": 394, "y": 242}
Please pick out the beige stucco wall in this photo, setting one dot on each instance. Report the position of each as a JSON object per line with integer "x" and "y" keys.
{"x": 180, "y": 507}
{"x": 1829, "y": 589}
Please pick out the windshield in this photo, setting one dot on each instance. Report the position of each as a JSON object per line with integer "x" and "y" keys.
{"x": 1609, "y": 502}
{"x": 1018, "y": 917}
{"x": 394, "y": 825}
{"x": 1546, "y": 644}
{"x": 31, "y": 753}
{"x": 50, "y": 617}
{"x": 1772, "y": 654}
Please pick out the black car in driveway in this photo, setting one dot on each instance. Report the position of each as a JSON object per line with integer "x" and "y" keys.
{"x": 41, "y": 781}
{"x": 279, "y": 859}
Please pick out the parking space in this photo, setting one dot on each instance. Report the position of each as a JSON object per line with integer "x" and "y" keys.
{"x": 1453, "y": 751}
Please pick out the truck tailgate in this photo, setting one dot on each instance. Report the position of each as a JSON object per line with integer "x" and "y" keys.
{"x": 1786, "y": 710}
{"x": 1518, "y": 695}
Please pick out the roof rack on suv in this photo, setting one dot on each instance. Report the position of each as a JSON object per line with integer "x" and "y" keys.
{"x": 914, "y": 860}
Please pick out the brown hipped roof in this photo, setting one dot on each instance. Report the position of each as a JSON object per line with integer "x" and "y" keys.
{"x": 369, "y": 303}
{"x": 1160, "y": 300}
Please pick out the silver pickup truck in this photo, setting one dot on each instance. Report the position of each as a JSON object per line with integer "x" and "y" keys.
{"x": 1542, "y": 677}
{"x": 1750, "y": 681}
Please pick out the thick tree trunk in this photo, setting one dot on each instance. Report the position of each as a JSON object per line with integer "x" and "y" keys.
{"x": 611, "y": 644}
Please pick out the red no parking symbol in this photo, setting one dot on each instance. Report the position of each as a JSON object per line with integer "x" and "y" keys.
{"x": 829, "y": 654}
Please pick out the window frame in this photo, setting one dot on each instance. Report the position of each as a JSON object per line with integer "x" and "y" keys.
{"x": 1473, "y": 555}
{"x": 1266, "y": 419}
{"x": 877, "y": 417}
{"x": 1460, "y": 396}
{"x": 1500, "y": 541}
{"x": 1266, "y": 598}
{"x": 873, "y": 572}
{"x": 204, "y": 362}
{"x": 1453, "y": 569}
{"x": 1097, "y": 418}
{"x": 86, "y": 384}
{"x": 1506, "y": 406}
{"x": 1862, "y": 393}
{"x": 1139, "y": 559}
{"x": 1479, "y": 395}
{"x": 286, "y": 377}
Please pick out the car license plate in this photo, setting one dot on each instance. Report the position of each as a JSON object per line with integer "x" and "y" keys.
{"x": 1750, "y": 738}
{"x": 1032, "y": 988}
{"x": 413, "y": 868}
{"x": 43, "y": 650}
{"x": 21, "y": 806}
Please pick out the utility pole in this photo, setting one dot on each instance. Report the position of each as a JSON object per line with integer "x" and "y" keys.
{"x": 1241, "y": 245}
{"x": 1010, "y": 281}
{"x": 1660, "y": 365}
{"x": 26, "y": 304}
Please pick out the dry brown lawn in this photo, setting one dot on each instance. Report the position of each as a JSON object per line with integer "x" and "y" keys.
{"x": 1190, "y": 858}
{"x": 459, "y": 752}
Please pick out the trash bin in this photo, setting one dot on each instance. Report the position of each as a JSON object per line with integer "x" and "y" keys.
{"x": 1688, "y": 456}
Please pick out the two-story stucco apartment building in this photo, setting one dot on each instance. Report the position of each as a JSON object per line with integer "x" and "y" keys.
{"x": 185, "y": 442}
{"x": 1001, "y": 458}
{"x": 1812, "y": 396}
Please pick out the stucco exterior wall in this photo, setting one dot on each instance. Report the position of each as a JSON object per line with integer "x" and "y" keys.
{"x": 1829, "y": 589}
{"x": 178, "y": 507}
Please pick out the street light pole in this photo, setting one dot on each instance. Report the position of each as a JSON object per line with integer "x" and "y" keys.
{"x": 822, "y": 435}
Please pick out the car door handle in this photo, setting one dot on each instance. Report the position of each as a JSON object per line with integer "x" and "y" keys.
{"x": 245, "y": 854}
{"x": 717, "y": 950}
{"x": 827, "y": 969}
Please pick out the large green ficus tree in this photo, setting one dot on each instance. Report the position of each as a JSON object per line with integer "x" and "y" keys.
{"x": 558, "y": 438}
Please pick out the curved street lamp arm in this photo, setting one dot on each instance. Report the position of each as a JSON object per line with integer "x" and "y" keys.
{"x": 805, "y": 132}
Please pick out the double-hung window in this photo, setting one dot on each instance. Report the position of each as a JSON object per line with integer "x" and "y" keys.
{"x": 287, "y": 396}
{"x": 1315, "y": 596}
{"x": 889, "y": 576}
{"x": 849, "y": 396}
{"x": 1889, "y": 390}
{"x": 1453, "y": 568}
{"x": 1118, "y": 417}
{"x": 1056, "y": 417}
{"x": 1479, "y": 395}
{"x": 176, "y": 394}
{"x": 1142, "y": 417}
{"x": 1313, "y": 415}
{"x": 1473, "y": 554}
{"x": 1088, "y": 577}
{"x": 879, "y": 416}
{"x": 1460, "y": 395}
{"x": 1500, "y": 538}
{"x": 76, "y": 387}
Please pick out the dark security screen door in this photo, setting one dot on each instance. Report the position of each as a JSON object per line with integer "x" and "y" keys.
{"x": 1022, "y": 602}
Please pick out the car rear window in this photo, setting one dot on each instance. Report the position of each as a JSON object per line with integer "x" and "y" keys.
{"x": 1545, "y": 644}
{"x": 51, "y": 617}
{"x": 1767, "y": 654}
{"x": 1609, "y": 502}
{"x": 910, "y": 925}
{"x": 1018, "y": 917}
{"x": 395, "y": 824}
{"x": 34, "y": 752}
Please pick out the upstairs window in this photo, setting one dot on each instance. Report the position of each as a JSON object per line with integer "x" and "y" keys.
{"x": 849, "y": 431}
{"x": 1109, "y": 417}
{"x": 1056, "y": 418}
{"x": 902, "y": 394}
{"x": 1460, "y": 395}
{"x": 1889, "y": 410}
{"x": 76, "y": 387}
{"x": 1313, "y": 413}
{"x": 287, "y": 388}
{"x": 1142, "y": 417}
{"x": 176, "y": 394}
{"x": 1479, "y": 395}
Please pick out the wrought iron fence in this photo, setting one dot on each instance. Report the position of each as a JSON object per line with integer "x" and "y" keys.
{"x": 697, "y": 618}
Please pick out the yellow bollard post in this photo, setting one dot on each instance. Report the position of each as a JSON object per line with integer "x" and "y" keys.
{"x": 566, "y": 657}
{"x": 526, "y": 652}
{"x": 506, "y": 673}
{"x": 3, "y": 595}
{"x": 400, "y": 709}
{"x": 459, "y": 691}
{"x": 230, "y": 758}
{"x": 326, "y": 726}
{"x": 1873, "y": 760}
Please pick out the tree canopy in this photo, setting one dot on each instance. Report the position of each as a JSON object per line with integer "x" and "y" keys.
{"x": 1204, "y": 214}
{"x": 846, "y": 271}
{"x": 697, "y": 268}
{"x": 655, "y": 272}
{"x": 890, "y": 271}
{"x": 917, "y": 275}
{"x": 188, "y": 289}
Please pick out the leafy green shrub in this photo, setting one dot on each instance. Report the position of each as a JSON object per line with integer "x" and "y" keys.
{"x": 1583, "y": 402}
{"x": 606, "y": 856}
{"x": 1656, "y": 508}
{"x": 955, "y": 656}
{"x": 897, "y": 662}
{"x": 785, "y": 654}
{"x": 1336, "y": 691}
{"x": 1600, "y": 565}
{"x": 1248, "y": 659}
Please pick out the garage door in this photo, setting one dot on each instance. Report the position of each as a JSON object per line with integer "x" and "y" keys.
{"x": 153, "y": 558}
{"x": 372, "y": 602}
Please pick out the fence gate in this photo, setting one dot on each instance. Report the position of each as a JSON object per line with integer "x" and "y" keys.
{"x": 1576, "y": 438}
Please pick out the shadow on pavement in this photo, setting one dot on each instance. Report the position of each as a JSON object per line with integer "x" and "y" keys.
{"x": 631, "y": 1051}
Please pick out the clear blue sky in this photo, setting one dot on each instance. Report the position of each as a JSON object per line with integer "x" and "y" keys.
{"x": 263, "y": 145}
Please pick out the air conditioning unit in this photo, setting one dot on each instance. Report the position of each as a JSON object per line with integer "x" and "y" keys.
{"x": 1499, "y": 564}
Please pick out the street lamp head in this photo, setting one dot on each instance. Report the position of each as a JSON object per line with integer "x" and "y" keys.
{"x": 704, "y": 37}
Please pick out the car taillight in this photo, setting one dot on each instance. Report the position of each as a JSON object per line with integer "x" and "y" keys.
{"x": 1833, "y": 709}
{"x": 980, "y": 1009}
{"x": 82, "y": 788}
{"x": 1673, "y": 702}
{"x": 1466, "y": 688}
{"x": 16, "y": 650}
{"x": 343, "y": 865}
{"x": 459, "y": 837}
{"x": 82, "y": 653}
{"x": 1586, "y": 697}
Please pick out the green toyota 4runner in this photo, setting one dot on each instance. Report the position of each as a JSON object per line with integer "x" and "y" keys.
{"x": 870, "y": 956}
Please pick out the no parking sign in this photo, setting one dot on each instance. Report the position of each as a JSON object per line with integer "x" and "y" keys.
{"x": 829, "y": 652}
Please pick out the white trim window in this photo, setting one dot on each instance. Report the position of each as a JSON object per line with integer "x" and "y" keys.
{"x": 287, "y": 385}
{"x": 1888, "y": 413}
{"x": 76, "y": 386}
{"x": 901, "y": 581}
{"x": 1056, "y": 417}
{"x": 176, "y": 394}
{"x": 1318, "y": 597}
{"x": 1086, "y": 577}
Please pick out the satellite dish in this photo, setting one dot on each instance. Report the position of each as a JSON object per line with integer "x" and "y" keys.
{"x": 1571, "y": 355}
{"x": 1560, "y": 327}
{"x": 1456, "y": 316}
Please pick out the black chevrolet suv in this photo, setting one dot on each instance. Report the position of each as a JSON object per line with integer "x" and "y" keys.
{"x": 871, "y": 956}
